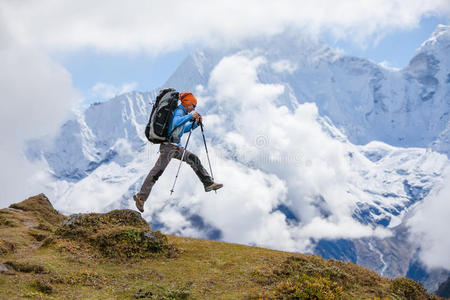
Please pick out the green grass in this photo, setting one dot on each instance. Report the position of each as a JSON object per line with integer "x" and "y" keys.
{"x": 92, "y": 258}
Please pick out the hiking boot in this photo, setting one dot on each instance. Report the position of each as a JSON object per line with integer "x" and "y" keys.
{"x": 213, "y": 187}
{"x": 139, "y": 203}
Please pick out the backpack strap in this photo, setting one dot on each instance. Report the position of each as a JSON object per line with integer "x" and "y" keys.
{"x": 174, "y": 135}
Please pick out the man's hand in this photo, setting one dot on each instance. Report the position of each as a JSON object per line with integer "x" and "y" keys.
{"x": 197, "y": 117}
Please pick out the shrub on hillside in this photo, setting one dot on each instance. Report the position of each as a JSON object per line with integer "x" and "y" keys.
{"x": 409, "y": 289}
{"x": 116, "y": 234}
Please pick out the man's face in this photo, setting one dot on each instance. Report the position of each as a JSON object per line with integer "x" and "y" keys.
{"x": 190, "y": 108}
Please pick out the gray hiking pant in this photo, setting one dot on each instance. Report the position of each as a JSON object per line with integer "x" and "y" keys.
{"x": 167, "y": 152}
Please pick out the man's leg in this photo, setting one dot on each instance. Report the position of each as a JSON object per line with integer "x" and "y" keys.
{"x": 166, "y": 153}
{"x": 196, "y": 165}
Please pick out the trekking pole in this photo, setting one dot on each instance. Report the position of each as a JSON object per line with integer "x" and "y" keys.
{"x": 181, "y": 161}
{"x": 207, "y": 154}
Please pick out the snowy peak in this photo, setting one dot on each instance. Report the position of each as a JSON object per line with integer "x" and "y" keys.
{"x": 440, "y": 38}
{"x": 432, "y": 57}
{"x": 363, "y": 99}
{"x": 104, "y": 132}
{"x": 285, "y": 53}
{"x": 428, "y": 88}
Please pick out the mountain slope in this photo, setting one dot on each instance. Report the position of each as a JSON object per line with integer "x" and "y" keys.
{"x": 46, "y": 260}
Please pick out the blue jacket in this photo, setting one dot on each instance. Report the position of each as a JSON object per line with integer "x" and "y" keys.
{"x": 180, "y": 117}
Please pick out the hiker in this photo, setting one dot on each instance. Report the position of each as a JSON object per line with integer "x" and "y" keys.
{"x": 182, "y": 121}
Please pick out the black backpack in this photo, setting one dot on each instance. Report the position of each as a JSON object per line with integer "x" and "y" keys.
{"x": 158, "y": 125}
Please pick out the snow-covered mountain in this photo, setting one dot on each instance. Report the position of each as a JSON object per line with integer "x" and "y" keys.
{"x": 319, "y": 151}
{"x": 367, "y": 101}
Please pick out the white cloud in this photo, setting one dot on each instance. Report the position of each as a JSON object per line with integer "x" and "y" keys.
{"x": 36, "y": 93}
{"x": 347, "y": 227}
{"x": 268, "y": 156}
{"x": 387, "y": 65}
{"x": 429, "y": 225}
{"x": 159, "y": 26}
{"x": 103, "y": 90}
{"x": 277, "y": 140}
{"x": 284, "y": 65}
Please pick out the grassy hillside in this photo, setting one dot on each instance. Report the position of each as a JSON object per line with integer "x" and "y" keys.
{"x": 45, "y": 255}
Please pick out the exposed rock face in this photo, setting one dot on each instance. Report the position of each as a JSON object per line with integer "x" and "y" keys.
{"x": 444, "y": 289}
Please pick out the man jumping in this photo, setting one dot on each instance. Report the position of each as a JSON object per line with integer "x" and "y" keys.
{"x": 180, "y": 123}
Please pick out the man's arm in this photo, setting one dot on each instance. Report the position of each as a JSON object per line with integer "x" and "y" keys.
{"x": 188, "y": 126}
{"x": 180, "y": 119}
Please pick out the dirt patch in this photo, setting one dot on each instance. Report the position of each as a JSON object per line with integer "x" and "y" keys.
{"x": 24, "y": 267}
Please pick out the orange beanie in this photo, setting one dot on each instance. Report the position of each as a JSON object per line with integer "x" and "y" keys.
{"x": 187, "y": 98}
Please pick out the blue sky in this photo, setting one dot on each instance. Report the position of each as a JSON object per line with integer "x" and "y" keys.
{"x": 396, "y": 48}
{"x": 89, "y": 67}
